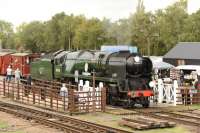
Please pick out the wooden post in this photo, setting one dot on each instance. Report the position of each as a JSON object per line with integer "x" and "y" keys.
{"x": 88, "y": 102}
{"x": 71, "y": 100}
{"x": 28, "y": 89}
{"x": 45, "y": 97}
{"x": 103, "y": 99}
{"x": 51, "y": 96}
{"x": 8, "y": 88}
{"x": 4, "y": 87}
{"x": 64, "y": 101}
{"x": 39, "y": 97}
{"x": 187, "y": 100}
{"x": 33, "y": 88}
{"x": 93, "y": 94}
{"x": 12, "y": 91}
{"x": 57, "y": 101}
{"x": 18, "y": 97}
{"x": 51, "y": 99}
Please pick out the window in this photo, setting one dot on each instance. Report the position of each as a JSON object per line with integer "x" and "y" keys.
{"x": 180, "y": 62}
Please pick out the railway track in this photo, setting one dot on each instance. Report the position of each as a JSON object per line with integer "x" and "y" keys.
{"x": 65, "y": 123}
{"x": 178, "y": 117}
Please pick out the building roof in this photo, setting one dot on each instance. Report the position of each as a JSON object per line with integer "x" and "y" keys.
{"x": 185, "y": 50}
{"x": 161, "y": 65}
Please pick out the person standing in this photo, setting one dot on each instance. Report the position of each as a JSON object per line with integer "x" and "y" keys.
{"x": 63, "y": 91}
{"x": 17, "y": 75}
{"x": 8, "y": 73}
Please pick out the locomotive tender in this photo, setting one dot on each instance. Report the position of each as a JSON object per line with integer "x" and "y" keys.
{"x": 126, "y": 75}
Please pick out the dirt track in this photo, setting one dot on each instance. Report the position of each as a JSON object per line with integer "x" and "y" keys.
{"x": 16, "y": 124}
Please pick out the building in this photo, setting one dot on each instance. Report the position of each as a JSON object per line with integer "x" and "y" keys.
{"x": 184, "y": 53}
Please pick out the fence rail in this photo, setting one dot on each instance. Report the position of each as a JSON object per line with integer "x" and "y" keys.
{"x": 48, "y": 95}
{"x": 188, "y": 95}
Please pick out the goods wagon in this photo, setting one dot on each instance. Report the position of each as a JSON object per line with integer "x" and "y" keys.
{"x": 5, "y": 61}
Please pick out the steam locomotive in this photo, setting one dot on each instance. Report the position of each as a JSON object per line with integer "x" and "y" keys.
{"x": 126, "y": 75}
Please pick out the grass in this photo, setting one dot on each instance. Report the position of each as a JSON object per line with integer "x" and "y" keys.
{"x": 4, "y": 125}
{"x": 177, "y": 129}
{"x": 196, "y": 106}
{"x": 112, "y": 120}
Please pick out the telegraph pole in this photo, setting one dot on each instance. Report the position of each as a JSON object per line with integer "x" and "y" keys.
{"x": 149, "y": 46}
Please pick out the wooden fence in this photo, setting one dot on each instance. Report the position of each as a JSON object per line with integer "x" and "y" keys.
{"x": 47, "y": 95}
{"x": 188, "y": 95}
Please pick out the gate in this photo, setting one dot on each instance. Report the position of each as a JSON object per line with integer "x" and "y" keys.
{"x": 173, "y": 94}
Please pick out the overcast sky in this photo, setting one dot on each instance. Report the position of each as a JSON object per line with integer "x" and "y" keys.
{"x": 18, "y": 11}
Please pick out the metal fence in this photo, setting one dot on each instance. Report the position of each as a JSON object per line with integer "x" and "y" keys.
{"x": 47, "y": 95}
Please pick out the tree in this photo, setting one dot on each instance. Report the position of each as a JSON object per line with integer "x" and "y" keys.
{"x": 117, "y": 32}
{"x": 32, "y": 36}
{"x": 53, "y": 33}
{"x": 191, "y": 31}
{"x": 88, "y": 34}
{"x": 142, "y": 27}
{"x": 170, "y": 23}
{"x": 6, "y": 34}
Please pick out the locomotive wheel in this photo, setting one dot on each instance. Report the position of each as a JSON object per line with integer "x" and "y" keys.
{"x": 127, "y": 104}
{"x": 145, "y": 102}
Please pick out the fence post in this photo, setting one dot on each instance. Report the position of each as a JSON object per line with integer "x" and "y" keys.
{"x": 175, "y": 85}
{"x": 184, "y": 93}
{"x": 13, "y": 94}
{"x": 71, "y": 100}
{"x": 51, "y": 95}
{"x": 160, "y": 90}
{"x": 4, "y": 87}
{"x": 18, "y": 90}
{"x": 51, "y": 99}
{"x": 33, "y": 88}
{"x": 103, "y": 99}
{"x": 64, "y": 100}
{"x": 93, "y": 94}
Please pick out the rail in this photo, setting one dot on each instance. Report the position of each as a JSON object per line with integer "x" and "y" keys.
{"x": 66, "y": 123}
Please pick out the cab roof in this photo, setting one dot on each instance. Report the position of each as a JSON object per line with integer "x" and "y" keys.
{"x": 5, "y": 53}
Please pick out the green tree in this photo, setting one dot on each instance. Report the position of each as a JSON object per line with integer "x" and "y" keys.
{"x": 88, "y": 34}
{"x": 142, "y": 28}
{"x": 32, "y": 36}
{"x": 6, "y": 34}
{"x": 191, "y": 31}
{"x": 170, "y": 23}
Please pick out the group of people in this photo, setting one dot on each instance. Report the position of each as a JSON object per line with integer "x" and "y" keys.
{"x": 9, "y": 74}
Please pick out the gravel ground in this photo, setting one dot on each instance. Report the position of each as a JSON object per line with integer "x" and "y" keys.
{"x": 10, "y": 123}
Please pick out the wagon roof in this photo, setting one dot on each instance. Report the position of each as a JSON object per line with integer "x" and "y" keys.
{"x": 21, "y": 54}
{"x": 5, "y": 53}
